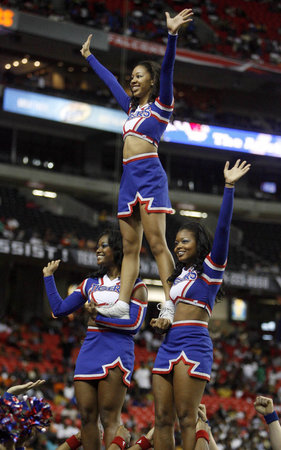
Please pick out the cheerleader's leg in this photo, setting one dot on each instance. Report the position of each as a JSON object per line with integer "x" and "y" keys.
{"x": 111, "y": 396}
{"x": 87, "y": 400}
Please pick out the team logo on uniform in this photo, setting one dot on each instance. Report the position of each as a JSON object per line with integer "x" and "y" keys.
{"x": 140, "y": 113}
{"x": 190, "y": 276}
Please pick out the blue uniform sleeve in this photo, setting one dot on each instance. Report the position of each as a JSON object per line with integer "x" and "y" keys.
{"x": 109, "y": 79}
{"x": 166, "y": 94}
{"x": 127, "y": 326}
{"x": 221, "y": 239}
{"x": 59, "y": 306}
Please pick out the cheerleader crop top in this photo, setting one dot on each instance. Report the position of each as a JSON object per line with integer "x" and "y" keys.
{"x": 201, "y": 290}
{"x": 149, "y": 121}
{"x": 102, "y": 291}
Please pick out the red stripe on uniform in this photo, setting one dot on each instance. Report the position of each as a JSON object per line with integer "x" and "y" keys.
{"x": 222, "y": 266}
{"x": 107, "y": 368}
{"x": 137, "y": 158}
{"x": 193, "y": 324}
{"x": 163, "y": 104}
{"x": 190, "y": 364}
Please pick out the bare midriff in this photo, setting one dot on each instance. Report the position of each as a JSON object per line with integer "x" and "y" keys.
{"x": 134, "y": 146}
{"x": 190, "y": 312}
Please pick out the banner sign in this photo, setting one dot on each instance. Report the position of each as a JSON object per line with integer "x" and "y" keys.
{"x": 62, "y": 110}
{"x": 191, "y": 56}
{"x": 98, "y": 117}
{"x": 148, "y": 267}
{"x": 223, "y": 138}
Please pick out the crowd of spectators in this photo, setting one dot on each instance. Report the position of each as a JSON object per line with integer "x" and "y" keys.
{"x": 246, "y": 30}
{"x": 244, "y": 366}
{"x": 21, "y": 220}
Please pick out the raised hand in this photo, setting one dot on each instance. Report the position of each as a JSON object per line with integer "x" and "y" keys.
{"x": 23, "y": 388}
{"x": 149, "y": 435}
{"x": 264, "y": 405}
{"x": 124, "y": 433}
{"x": 85, "y": 50}
{"x": 174, "y": 23}
{"x": 202, "y": 413}
{"x": 51, "y": 268}
{"x": 201, "y": 425}
{"x": 237, "y": 171}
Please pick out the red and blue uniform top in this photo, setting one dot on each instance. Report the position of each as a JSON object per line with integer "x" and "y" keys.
{"x": 102, "y": 291}
{"x": 149, "y": 121}
{"x": 201, "y": 290}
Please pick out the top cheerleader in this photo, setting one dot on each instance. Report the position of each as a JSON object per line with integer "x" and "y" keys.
{"x": 143, "y": 197}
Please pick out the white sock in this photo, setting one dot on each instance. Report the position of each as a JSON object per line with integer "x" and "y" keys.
{"x": 119, "y": 309}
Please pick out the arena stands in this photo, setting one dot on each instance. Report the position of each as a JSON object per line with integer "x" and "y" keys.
{"x": 240, "y": 372}
{"x": 86, "y": 166}
{"x": 249, "y": 32}
{"x": 246, "y": 30}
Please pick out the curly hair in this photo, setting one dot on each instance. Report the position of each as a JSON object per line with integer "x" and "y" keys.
{"x": 115, "y": 243}
{"x": 203, "y": 247}
{"x": 154, "y": 69}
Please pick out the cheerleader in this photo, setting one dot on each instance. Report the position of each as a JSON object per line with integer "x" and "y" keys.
{"x": 106, "y": 359}
{"x": 143, "y": 197}
{"x": 184, "y": 360}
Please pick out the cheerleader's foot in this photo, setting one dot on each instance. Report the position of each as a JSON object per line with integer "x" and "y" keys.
{"x": 119, "y": 310}
{"x": 167, "y": 311}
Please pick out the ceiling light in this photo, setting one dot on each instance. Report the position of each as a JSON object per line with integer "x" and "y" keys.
{"x": 40, "y": 193}
{"x": 50, "y": 194}
{"x": 24, "y": 60}
{"x": 195, "y": 214}
{"x": 37, "y": 63}
{"x": 7, "y": 66}
{"x": 16, "y": 63}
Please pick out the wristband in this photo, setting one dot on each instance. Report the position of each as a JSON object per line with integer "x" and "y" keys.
{"x": 271, "y": 417}
{"x": 231, "y": 184}
{"x": 118, "y": 440}
{"x": 144, "y": 443}
{"x": 202, "y": 434}
{"x": 73, "y": 442}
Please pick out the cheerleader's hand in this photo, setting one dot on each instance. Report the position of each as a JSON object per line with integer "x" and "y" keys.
{"x": 23, "y": 388}
{"x": 174, "y": 23}
{"x": 149, "y": 436}
{"x": 85, "y": 50}
{"x": 160, "y": 325}
{"x": 202, "y": 413}
{"x": 124, "y": 434}
{"x": 264, "y": 405}
{"x": 91, "y": 309}
{"x": 51, "y": 268}
{"x": 237, "y": 171}
{"x": 201, "y": 425}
